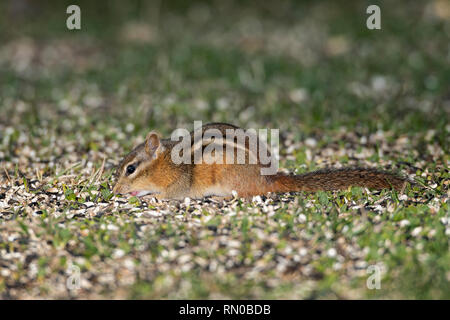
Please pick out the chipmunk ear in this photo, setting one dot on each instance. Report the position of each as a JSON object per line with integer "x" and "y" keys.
{"x": 152, "y": 143}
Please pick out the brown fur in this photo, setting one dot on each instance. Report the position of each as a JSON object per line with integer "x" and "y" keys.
{"x": 156, "y": 173}
{"x": 337, "y": 179}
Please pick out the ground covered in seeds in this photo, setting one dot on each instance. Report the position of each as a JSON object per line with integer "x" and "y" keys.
{"x": 73, "y": 103}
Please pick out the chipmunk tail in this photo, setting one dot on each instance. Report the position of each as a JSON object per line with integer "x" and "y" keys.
{"x": 338, "y": 179}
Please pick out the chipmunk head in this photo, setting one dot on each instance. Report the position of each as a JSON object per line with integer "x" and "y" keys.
{"x": 135, "y": 171}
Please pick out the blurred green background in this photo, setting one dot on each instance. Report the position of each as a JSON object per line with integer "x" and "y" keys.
{"x": 306, "y": 65}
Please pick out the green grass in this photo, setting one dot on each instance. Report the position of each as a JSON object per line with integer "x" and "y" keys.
{"x": 68, "y": 100}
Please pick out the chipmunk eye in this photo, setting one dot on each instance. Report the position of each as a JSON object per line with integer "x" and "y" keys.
{"x": 130, "y": 169}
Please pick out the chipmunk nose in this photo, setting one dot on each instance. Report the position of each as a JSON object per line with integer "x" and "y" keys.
{"x": 116, "y": 188}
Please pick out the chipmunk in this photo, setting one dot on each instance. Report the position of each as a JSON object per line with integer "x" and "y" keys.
{"x": 150, "y": 169}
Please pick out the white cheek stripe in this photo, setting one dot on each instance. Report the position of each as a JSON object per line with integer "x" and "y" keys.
{"x": 145, "y": 192}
